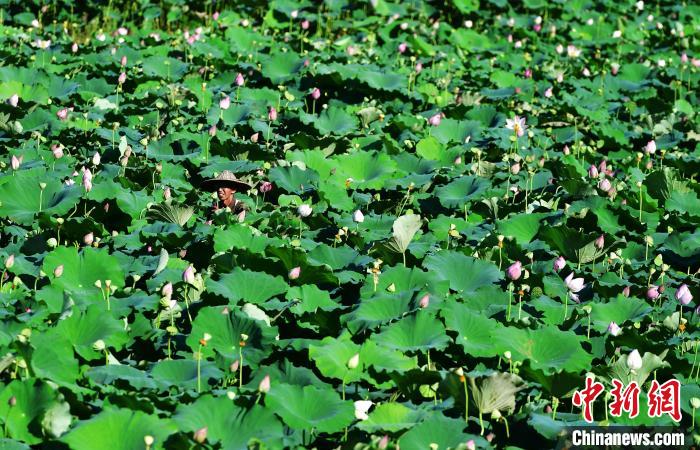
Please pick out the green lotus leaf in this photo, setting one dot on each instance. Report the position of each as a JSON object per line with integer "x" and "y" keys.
{"x": 368, "y": 170}
{"x": 53, "y": 358}
{"x": 293, "y": 179}
{"x": 417, "y": 332}
{"x": 385, "y": 359}
{"x": 379, "y": 309}
{"x": 474, "y": 330}
{"x": 22, "y": 198}
{"x": 226, "y": 331}
{"x": 465, "y": 274}
{"x": 405, "y": 227}
{"x": 119, "y": 429}
{"x": 619, "y": 310}
{"x": 461, "y": 190}
{"x": 108, "y": 375}
{"x": 391, "y": 417}
{"x": 34, "y": 398}
{"x": 164, "y": 67}
{"x": 182, "y": 373}
{"x": 437, "y": 429}
{"x": 335, "y": 120}
{"x": 255, "y": 287}
{"x": 332, "y": 355}
{"x": 522, "y": 227}
{"x": 232, "y": 426}
{"x": 83, "y": 329}
{"x": 304, "y": 408}
{"x": 310, "y": 298}
{"x": 280, "y": 67}
{"x": 547, "y": 349}
{"x": 337, "y": 257}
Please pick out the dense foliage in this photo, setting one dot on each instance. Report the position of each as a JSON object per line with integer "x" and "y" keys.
{"x": 458, "y": 212}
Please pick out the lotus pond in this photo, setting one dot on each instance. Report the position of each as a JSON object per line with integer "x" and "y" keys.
{"x": 459, "y": 212}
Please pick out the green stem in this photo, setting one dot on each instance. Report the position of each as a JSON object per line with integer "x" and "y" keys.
{"x": 240, "y": 368}
{"x": 199, "y": 369}
{"x": 481, "y": 422}
{"x": 466, "y": 401}
{"x": 510, "y": 301}
{"x": 187, "y": 303}
{"x": 566, "y": 305}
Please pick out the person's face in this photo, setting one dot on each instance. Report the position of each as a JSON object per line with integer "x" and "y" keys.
{"x": 225, "y": 193}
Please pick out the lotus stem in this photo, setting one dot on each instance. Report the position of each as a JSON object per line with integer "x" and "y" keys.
{"x": 199, "y": 369}
{"x": 505, "y": 421}
{"x": 240, "y": 367}
{"x": 566, "y": 305}
{"x": 589, "y": 327}
{"x": 41, "y": 197}
{"x": 187, "y": 304}
{"x": 481, "y": 422}
{"x": 520, "y": 307}
{"x": 2, "y": 280}
{"x": 692, "y": 369}
{"x": 510, "y": 301}
{"x": 466, "y": 400}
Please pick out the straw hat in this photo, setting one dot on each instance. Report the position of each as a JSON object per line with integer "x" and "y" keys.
{"x": 225, "y": 179}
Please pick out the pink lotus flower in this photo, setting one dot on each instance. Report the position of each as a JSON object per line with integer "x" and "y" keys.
{"x": 264, "y": 385}
{"x": 515, "y": 270}
{"x": 212, "y": 130}
{"x": 402, "y": 47}
{"x": 528, "y": 73}
{"x": 254, "y": 137}
{"x": 419, "y": 67}
{"x": 383, "y": 442}
{"x": 650, "y": 148}
{"x": 89, "y": 238}
{"x": 62, "y": 113}
{"x": 167, "y": 290}
{"x": 15, "y": 162}
{"x": 266, "y": 186}
{"x": 600, "y": 242}
{"x": 424, "y": 301}
{"x": 684, "y": 58}
{"x": 166, "y": 193}
{"x": 574, "y": 285}
{"x": 240, "y": 81}
{"x": 517, "y": 124}
{"x": 604, "y": 185}
{"x": 57, "y": 150}
{"x": 515, "y": 168}
{"x": 683, "y": 295}
{"x": 614, "y": 329}
{"x": 225, "y": 102}
{"x": 74, "y": 47}
{"x": 626, "y": 291}
{"x": 435, "y": 119}
{"x": 316, "y": 94}
{"x": 271, "y": 114}
{"x": 215, "y": 16}
{"x": 294, "y": 273}
{"x": 593, "y": 171}
{"x": 471, "y": 445}
{"x": 14, "y": 100}
{"x": 559, "y": 263}
{"x": 10, "y": 261}
{"x": 58, "y": 271}
{"x": 548, "y": 92}
{"x": 653, "y": 292}
{"x": 188, "y": 275}
{"x": 122, "y": 78}
{"x": 537, "y": 27}
{"x": 305, "y": 25}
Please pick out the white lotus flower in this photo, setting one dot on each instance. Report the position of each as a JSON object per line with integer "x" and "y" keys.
{"x": 358, "y": 217}
{"x": 304, "y": 210}
{"x": 574, "y": 285}
{"x": 516, "y": 124}
{"x": 634, "y": 360}
{"x": 361, "y": 408}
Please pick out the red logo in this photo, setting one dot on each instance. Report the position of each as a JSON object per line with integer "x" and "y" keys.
{"x": 587, "y": 396}
{"x": 626, "y": 399}
{"x": 665, "y": 399}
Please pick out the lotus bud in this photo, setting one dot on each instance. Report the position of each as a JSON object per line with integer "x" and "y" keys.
{"x": 304, "y": 210}
{"x": 507, "y": 355}
{"x": 9, "y": 261}
{"x": 315, "y": 94}
{"x": 614, "y": 329}
{"x": 354, "y": 361}
{"x": 600, "y": 242}
{"x": 634, "y": 360}
{"x": 62, "y": 114}
{"x": 515, "y": 168}
{"x": 424, "y": 301}
{"x": 264, "y": 386}
{"x": 650, "y": 148}
{"x": 266, "y": 186}
{"x": 419, "y": 67}
{"x": 12, "y": 401}
{"x": 58, "y": 271}
{"x": 15, "y": 162}
{"x": 212, "y": 130}
{"x": 89, "y": 238}
{"x": 200, "y": 436}
{"x": 515, "y": 270}
{"x": 148, "y": 440}
{"x": 604, "y": 185}
{"x": 435, "y": 119}
{"x": 683, "y": 295}
{"x": 254, "y": 137}
{"x": 271, "y": 114}
{"x": 188, "y": 275}
{"x": 234, "y": 366}
{"x": 225, "y": 102}
{"x": 471, "y": 445}
{"x": 361, "y": 408}
{"x": 653, "y": 292}
{"x": 57, "y": 150}
{"x": 240, "y": 81}
{"x": 14, "y": 100}
{"x": 626, "y": 291}
{"x": 122, "y": 78}
{"x": 383, "y": 442}
{"x": 559, "y": 263}
{"x": 294, "y": 273}
{"x": 593, "y": 171}
{"x": 695, "y": 402}
{"x": 167, "y": 194}
{"x": 358, "y": 217}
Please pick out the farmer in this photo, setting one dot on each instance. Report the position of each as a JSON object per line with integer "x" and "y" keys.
{"x": 226, "y": 185}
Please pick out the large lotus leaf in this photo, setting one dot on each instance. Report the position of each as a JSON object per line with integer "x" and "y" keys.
{"x": 231, "y": 425}
{"x": 240, "y": 237}
{"x": 119, "y": 429}
{"x": 417, "y": 332}
{"x": 337, "y": 257}
{"x": 335, "y": 120}
{"x": 281, "y": 67}
{"x": 405, "y": 227}
{"x": 566, "y": 241}
{"x": 474, "y": 330}
{"x": 21, "y": 196}
{"x": 82, "y": 329}
{"x": 304, "y": 408}
{"x": 164, "y": 67}
{"x": 384, "y": 359}
{"x": 547, "y": 349}
{"x": 368, "y": 170}
{"x": 183, "y": 373}
{"x": 34, "y": 398}
{"x": 82, "y": 269}
{"x": 619, "y": 310}
{"x": 108, "y": 375}
{"x": 687, "y": 202}
{"x": 391, "y": 417}
{"x": 254, "y": 287}
{"x": 226, "y": 330}
{"x": 438, "y": 429}
{"x": 451, "y": 130}
{"x": 293, "y": 179}
{"x": 461, "y": 190}
{"x": 465, "y": 274}
{"x": 235, "y": 114}
{"x": 53, "y": 358}
{"x": 523, "y": 227}
{"x": 650, "y": 363}
{"x": 331, "y": 356}
{"x": 311, "y": 298}
{"x": 379, "y": 309}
